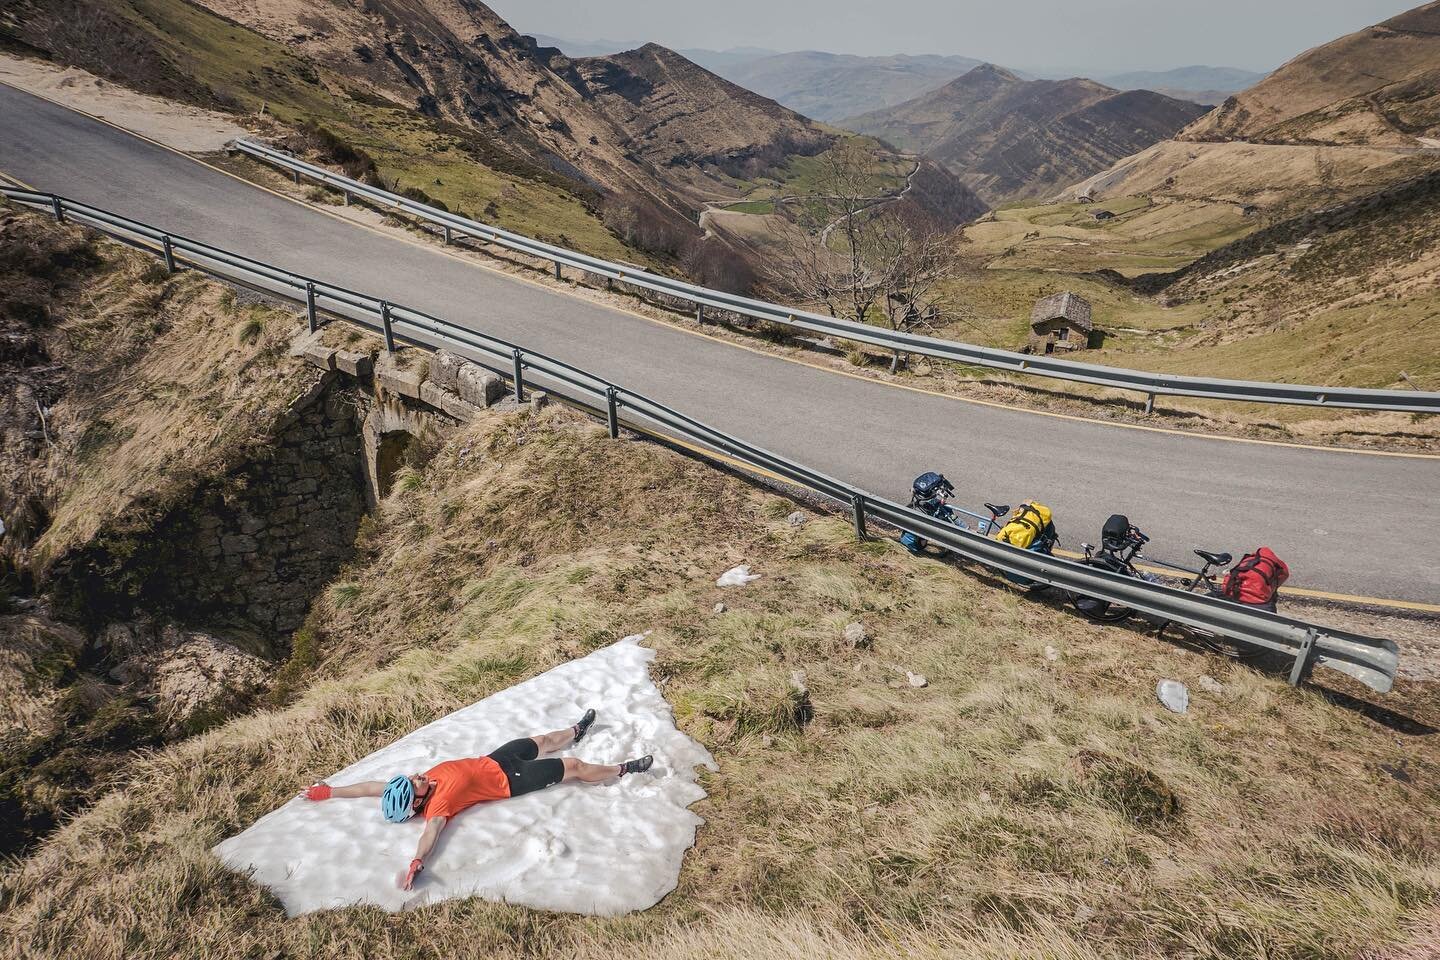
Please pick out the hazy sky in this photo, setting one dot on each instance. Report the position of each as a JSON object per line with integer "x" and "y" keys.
{"x": 1100, "y": 35}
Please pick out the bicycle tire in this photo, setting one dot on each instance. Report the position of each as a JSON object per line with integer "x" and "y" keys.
{"x": 1096, "y": 609}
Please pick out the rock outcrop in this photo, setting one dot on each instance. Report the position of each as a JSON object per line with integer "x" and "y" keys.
{"x": 188, "y": 675}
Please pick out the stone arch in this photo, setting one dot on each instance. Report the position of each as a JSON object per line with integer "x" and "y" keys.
{"x": 389, "y": 458}
{"x": 393, "y": 433}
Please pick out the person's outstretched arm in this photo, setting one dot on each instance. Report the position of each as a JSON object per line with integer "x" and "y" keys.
{"x": 433, "y": 826}
{"x": 323, "y": 791}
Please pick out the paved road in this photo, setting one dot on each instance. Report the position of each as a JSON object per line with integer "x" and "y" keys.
{"x": 1348, "y": 523}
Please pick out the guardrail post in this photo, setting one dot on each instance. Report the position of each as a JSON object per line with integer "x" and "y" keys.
{"x": 700, "y": 313}
{"x": 59, "y": 210}
{"x": 1149, "y": 404}
{"x": 296, "y": 174}
{"x": 385, "y": 322}
{"x": 519, "y": 359}
{"x": 169, "y": 252}
{"x": 447, "y": 235}
{"x": 557, "y": 271}
{"x": 310, "y": 306}
{"x": 612, "y": 416}
{"x": 346, "y": 195}
{"x": 1304, "y": 658}
{"x": 857, "y": 514}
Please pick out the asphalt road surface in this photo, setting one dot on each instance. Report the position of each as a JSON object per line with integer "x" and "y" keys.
{"x": 1346, "y": 522}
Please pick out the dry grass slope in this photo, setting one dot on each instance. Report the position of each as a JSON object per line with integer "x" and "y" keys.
{"x": 1022, "y": 804}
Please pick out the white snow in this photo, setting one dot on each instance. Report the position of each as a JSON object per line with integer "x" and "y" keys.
{"x": 603, "y": 849}
{"x": 736, "y": 577}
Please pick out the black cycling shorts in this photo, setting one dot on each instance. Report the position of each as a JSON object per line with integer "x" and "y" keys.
{"x": 525, "y": 773}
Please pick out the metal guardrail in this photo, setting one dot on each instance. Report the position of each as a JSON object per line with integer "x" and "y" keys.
{"x": 1369, "y": 660}
{"x": 1150, "y": 384}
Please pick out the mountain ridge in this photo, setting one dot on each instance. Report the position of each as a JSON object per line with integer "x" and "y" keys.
{"x": 1010, "y": 138}
{"x": 1379, "y": 85}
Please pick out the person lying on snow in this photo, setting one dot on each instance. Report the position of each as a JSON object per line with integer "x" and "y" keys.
{"x": 447, "y": 788}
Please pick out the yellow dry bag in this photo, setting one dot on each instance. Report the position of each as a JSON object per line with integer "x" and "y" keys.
{"x": 1027, "y": 522}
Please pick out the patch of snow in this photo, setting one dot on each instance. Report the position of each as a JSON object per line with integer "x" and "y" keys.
{"x": 736, "y": 577}
{"x": 602, "y": 849}
{"x": 1173, "y": 695}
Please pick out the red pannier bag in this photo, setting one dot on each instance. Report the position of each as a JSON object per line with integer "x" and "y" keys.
{"x": 1256, "y": 579}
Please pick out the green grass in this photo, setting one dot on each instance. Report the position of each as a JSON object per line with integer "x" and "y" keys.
{"x": 805, "y": 176}
{"x": 751, "y": 206}
{"x": 1145, "y": 236}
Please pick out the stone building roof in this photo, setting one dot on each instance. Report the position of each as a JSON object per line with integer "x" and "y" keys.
{"x": 1067, "y": 306}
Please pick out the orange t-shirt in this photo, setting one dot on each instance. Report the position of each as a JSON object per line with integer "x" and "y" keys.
{"x": 463, "y": 783}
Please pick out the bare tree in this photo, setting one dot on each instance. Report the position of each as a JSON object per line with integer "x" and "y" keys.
{"x": 845, "y": 249}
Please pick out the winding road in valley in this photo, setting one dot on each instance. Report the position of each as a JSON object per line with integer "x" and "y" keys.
{"x": 1349, "y": 523}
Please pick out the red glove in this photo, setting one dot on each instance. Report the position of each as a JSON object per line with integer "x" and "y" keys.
{"x": 320, "y": 791}
{"x": 415, "y": 867}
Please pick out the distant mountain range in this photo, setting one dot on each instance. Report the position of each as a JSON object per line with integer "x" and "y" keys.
{"x": 716, "y": 61}
{"x": 1208, "y": 85}
{"x": 1010, "y": 138}
{"x": 832, "y": 86}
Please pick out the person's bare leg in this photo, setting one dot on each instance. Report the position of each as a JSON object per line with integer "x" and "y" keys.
{"x": 557, "y": 740}
{"x": 576, "y": 769}
{"x": 560, "y": 739}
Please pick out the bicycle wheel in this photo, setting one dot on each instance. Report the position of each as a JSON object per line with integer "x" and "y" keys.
{"x": 1094, "y": 608}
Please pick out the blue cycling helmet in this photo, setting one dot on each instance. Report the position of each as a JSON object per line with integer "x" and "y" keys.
{"x": 397, "y": 799}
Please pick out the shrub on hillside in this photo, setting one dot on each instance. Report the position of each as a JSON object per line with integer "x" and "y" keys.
{"x": 330, "y": 148}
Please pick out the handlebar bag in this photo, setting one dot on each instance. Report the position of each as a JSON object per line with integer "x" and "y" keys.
{"x": 1256, "y": 578}
{"x": 1116, "y": 529}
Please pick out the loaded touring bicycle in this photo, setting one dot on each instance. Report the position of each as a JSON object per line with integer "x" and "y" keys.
{"x": 1030, "y": 527}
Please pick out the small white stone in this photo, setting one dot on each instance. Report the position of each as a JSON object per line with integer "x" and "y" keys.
{"x": 916, "y": 680}
{"x": 719, "y": 608}
{"x": 1052, "y": 654}
{"x": 796, "y": 519}
{"x": 1209, "y": 684}
{"x": 855, "y": 634}
{"x": 1173, "y": 695}
{"x": 736, "y": 577}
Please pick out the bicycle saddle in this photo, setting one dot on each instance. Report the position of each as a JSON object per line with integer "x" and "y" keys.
{"x": 998, "y": 510}
{"x": 1218, "y": 559}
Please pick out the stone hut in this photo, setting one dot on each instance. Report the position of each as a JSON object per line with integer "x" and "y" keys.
{"x": 1060, "y": 323}
{"x": 1103, "y": 215}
